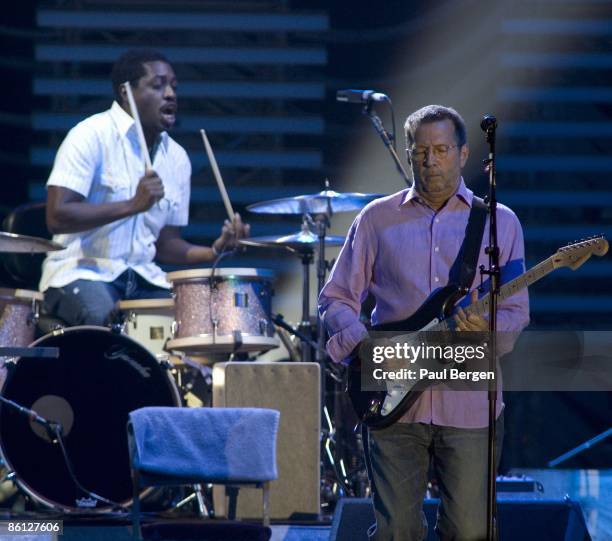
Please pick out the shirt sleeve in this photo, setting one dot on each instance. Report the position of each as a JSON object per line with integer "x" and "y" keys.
{"x": 341, "y": 297}
{"x": 77, "y": 160}
{"x": 513, "y": 312}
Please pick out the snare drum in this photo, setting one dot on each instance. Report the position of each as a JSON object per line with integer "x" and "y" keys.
{"x": 149, "y": 322}
{"x": 99, "y": 377}
{"x": 228, "y": 311}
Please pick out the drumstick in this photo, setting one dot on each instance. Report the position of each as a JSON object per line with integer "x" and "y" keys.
{"x": 144, "y": 150}
{"x": 217, "y": 173}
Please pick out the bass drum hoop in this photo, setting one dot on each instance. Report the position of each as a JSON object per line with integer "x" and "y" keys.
{"x": 31, "y": 491}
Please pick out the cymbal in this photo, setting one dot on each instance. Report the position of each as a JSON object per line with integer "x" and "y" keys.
{"x": 303, "y": 241}
{"x": 317, "y": 203}
{"x": 24, "y": 244}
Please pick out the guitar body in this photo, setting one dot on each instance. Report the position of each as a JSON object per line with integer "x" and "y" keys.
{"x": 438, "y": 306}
{"x": 378, "y": 409}
{"x": 381, "y": 408}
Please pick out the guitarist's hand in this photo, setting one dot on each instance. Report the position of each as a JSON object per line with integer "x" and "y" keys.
{"x": 471, "y": 322}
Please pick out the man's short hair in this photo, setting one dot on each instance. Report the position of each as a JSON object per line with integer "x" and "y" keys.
{"x": 129, "y": 67}
{"x": 435, "y": 113}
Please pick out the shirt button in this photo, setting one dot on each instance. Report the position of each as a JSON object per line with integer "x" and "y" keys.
{"x": 436, "y": 279}
{"x": 437, "y": 249}
{"x": 437, "y": 220}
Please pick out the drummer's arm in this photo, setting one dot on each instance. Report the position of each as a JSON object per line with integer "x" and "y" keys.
{"x": 174, "y": 250}
{"x": 68, "y": 212}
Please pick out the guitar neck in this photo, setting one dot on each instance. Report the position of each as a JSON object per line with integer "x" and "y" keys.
{"x": 481, "y": 307}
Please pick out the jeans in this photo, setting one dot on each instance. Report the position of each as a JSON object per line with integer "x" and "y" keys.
{"x": 400, "y": 457}
{"x": 90, "y": 302}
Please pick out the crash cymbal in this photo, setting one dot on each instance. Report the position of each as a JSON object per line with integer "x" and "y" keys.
{"x": 317, "y": 203}
{"x": 303, "y": 241}
{"x": 23, "y": 244}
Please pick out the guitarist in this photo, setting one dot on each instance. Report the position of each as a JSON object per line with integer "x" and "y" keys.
{"x": 400, "y": 249}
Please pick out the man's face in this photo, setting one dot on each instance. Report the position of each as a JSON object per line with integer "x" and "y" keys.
{"x": 436, "y": 161}
{"x": 155, "y": 97}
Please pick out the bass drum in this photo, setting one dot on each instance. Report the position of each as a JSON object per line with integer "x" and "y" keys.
{"x": 99, "y": 377}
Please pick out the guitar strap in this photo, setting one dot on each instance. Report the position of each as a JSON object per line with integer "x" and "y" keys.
{"x": 464, "y": 268}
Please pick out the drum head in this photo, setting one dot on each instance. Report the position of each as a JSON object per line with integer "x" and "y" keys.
{"x": 221, "y": 344}
{"x": 226, "y": 273}
{"x": 90, "y": 389}
{"x": 137, "y": 305}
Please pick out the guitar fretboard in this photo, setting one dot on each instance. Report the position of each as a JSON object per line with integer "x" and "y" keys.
{"x": 481, "y": 307}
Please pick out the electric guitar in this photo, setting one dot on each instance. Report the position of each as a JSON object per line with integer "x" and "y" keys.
{"x": 382, "y": 408}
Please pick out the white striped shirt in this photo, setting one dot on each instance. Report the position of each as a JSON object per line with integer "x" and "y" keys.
{"x": 100, "y": 159}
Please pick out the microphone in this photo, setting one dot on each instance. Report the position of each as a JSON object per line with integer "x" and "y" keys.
{"x": 360, "y": 96}
{"x": 488, "y": 122}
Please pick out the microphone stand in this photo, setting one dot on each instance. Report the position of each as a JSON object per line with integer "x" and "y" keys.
{"x": 387, "y": 139}
{"x": 56, "y": 435}
{"x": 489, "y": 125}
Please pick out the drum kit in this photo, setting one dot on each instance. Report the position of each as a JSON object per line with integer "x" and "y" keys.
{"x": 87, "y": 379}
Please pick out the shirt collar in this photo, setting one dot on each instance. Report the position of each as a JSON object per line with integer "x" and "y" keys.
{"x": 462, "y": 193}
{"x": 126, "y": 126}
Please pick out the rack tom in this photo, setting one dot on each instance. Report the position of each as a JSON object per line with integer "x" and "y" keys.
{"x": 222, "y": 310}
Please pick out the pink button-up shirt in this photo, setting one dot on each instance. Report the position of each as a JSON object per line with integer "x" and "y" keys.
{"x": 400, "y": 250}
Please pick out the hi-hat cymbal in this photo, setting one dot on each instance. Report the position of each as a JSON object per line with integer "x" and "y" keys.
{"x": 23, "y": 244}
{"x": 304, "y": 241}
{"x": 317, "y": 203}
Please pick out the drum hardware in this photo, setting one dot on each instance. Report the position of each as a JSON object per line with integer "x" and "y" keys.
{"x": 164, "y": 360}
{"x": 35, "y": 315}
{"x": 279, "y": 320}
{"x": 317, "y": 210}
{"x": 194, "y": 381}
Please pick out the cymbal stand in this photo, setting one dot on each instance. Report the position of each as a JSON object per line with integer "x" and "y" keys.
{"x": 321, "y": 224}
{"x": 304, "y": 327}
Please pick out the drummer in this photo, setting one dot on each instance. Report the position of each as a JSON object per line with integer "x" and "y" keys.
{"x": 114, "y": 217}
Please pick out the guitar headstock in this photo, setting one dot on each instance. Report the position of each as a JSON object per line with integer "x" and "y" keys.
{"x": 575, "y": 254}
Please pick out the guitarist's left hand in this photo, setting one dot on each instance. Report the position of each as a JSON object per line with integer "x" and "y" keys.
{"x": 471, "y": 322}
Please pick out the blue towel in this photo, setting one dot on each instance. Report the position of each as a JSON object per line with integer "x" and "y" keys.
{"x": 208, "y": 444}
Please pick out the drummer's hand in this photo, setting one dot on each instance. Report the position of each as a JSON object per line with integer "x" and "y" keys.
{"x": 231, "y": 233}
{"x": 150, "y": 189}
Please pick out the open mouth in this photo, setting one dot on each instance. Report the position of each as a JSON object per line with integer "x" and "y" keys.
{"x": 168, "y": 113}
